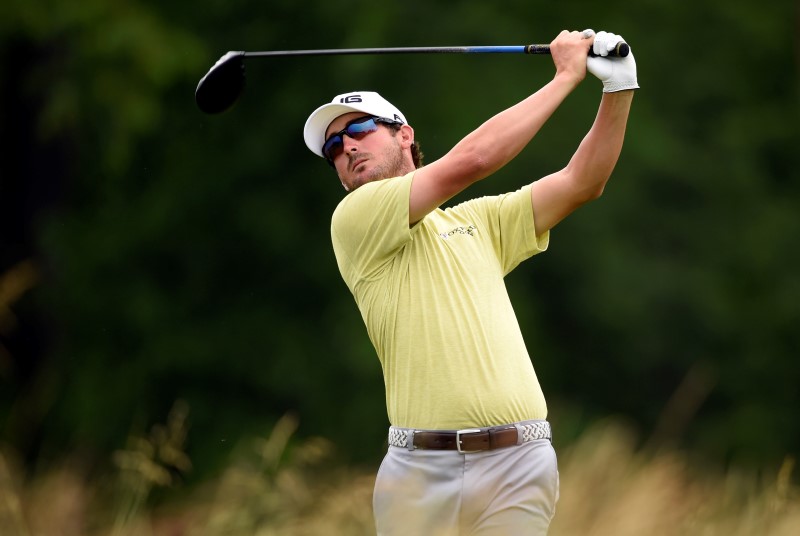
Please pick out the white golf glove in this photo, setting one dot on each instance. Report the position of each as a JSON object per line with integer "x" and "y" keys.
{"x": 616, "y": 73}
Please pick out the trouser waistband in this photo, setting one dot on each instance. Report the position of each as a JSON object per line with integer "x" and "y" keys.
{"x": 471, "y": 439}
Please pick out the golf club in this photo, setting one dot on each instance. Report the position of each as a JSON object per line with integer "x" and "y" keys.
{"x": 221, "y": 87}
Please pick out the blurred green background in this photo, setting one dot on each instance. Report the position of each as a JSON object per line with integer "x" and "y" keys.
{"x": 151, "y": 253}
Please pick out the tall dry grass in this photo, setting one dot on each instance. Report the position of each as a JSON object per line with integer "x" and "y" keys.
{"x": 608, "y": 487}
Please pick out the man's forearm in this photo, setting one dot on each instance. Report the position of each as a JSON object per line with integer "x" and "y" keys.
{"x": 591, "y": 165}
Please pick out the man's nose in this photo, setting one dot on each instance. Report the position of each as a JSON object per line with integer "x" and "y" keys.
{"x": 348, "y": 143}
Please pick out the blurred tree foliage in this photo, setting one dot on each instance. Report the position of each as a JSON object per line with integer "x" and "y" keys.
{"x": 182, "y": 256}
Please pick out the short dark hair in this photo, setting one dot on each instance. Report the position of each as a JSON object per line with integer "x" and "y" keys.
{"x": 416, "y": 152}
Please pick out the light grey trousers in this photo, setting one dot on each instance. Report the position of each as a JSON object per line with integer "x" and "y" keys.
{"x": 508, "y": 491}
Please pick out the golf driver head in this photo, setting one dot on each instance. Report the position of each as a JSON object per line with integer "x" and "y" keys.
{"x": 221, "y": 87}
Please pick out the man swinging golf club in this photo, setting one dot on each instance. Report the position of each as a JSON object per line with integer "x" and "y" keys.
{"x": 469, "y": 444}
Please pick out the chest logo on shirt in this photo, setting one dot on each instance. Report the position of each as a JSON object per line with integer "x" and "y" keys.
{"x": 469, "y": 230}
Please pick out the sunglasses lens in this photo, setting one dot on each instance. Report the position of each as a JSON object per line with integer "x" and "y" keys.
{"x": 361, "y": 128}
{"x": 355, "y": 130}
{"x": 333, "y": 147}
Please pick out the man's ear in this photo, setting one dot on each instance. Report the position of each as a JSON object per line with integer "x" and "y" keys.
{"x": 406, "y": 136}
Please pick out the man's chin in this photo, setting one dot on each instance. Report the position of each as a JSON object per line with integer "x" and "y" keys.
{"x": 364, "y": 173}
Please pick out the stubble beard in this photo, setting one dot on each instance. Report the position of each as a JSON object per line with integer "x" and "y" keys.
{"x": 393, "y": 165}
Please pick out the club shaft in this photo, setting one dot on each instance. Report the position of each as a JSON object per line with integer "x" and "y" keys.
{"x": 516, "y": 49}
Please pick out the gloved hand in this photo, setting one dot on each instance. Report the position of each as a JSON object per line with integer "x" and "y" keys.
{"x": 617, "y": 74}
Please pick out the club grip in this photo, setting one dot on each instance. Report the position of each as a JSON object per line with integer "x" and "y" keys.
{"x": 621, "y": 50}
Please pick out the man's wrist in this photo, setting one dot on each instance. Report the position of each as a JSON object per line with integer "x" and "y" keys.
{"x": 569, "y": 79}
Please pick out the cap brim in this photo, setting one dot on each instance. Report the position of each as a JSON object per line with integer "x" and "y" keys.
{"x": 319, "y": 121}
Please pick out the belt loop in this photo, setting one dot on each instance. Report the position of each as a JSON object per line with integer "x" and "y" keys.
{"x": 518, "y": 426}
{"x": 491, "y": 432}
{"x": 410, "y": 440}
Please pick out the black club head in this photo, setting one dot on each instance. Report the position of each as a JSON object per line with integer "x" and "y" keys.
{"x": 221, "y": 87}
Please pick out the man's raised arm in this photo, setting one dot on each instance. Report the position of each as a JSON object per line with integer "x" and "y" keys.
{"x": 585, "y": 176}
{"x": 497, "y": 141}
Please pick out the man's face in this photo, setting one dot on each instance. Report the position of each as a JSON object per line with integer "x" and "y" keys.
{"x": 378, "y": 155}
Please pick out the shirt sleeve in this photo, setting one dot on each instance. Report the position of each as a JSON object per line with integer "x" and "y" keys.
{"x": 369, "y": 226}
{"x": 509, "y": 219}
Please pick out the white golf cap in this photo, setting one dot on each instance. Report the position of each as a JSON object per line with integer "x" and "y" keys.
{"x": 368, "y": 102}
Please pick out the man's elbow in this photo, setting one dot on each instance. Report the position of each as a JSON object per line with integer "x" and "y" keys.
{"x": 475, "y": 166}
{"x": 589, "y": 191}
{"x": 596, "y": 192}
{"x": 472, "y": 161}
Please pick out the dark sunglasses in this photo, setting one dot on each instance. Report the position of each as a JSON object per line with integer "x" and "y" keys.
{"x": 355, "y": 129}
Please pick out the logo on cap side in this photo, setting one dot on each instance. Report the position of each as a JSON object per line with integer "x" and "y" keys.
{"x": 351, "y": 98}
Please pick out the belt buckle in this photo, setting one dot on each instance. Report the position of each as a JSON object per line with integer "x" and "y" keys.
{"x": 459, "y": 433}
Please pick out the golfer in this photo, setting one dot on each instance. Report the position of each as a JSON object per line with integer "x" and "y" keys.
{"x": 469, "y": 444}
